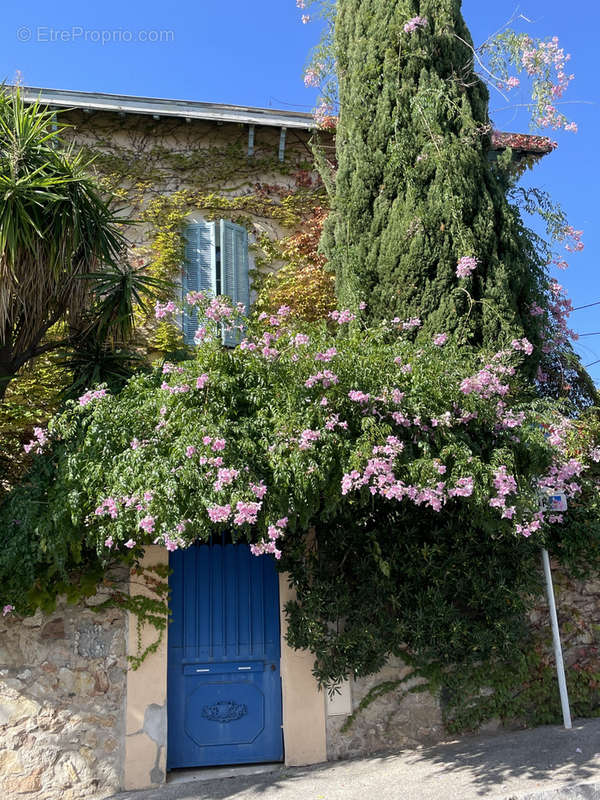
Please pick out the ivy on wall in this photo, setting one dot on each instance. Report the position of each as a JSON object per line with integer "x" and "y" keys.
{"x": 163, "y": 185}
{"x": 161, "y": 173}
{"x": 165, "y": 170}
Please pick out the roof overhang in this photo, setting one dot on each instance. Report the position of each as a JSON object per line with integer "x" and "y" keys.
{"x": 522, "y": 144}
{"x": 158, "y": 107}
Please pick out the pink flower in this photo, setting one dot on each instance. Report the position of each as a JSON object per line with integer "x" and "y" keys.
{"x": 87, "y": 398}
{"x": 270, "y": 353}
{"x": 219, "y": 513}
{"x": 342, "y": 316}
{"x": 413, "y": 24}
{"x": 504, "y": 483}
{"x": 307, "y": 437}
{"x": 463, "y": 488}
{"x": 178, "y": 389}
{"x": 190, "y": 451}
{"x": 414, "y": 322}
{"x": 522, "y": 344}
{"x": 201, "y": 381}
{"x": 246, "y": 513}
{"x": 323, "y": 114}
{"x": 305, "y": 18}
{"x": 219, "y": 310}
{"x": 129, "y": 544}
{"x": 194, "y": 298}
{"x": 218, "y": 444}
{"x": 440, "y": 339}
{"x": 135, "y": 444}
{"x": 512, "y": 83}
{"x": 328, "y": 355}
{"x": 168, "y": 368}
{"x": 273, "y": 533}
{"x": 162, "y": 309}
{"x": 311, "y": 77}
{"x": 327, "y": 378}
{"x": 147, "y": 524}
{"x": 40, "y": 439}
{"x": 225, "y": 476}
{"x": 359, "y": 397}
{"x": 108, "y": 507}
{"x": 258, "y": 490}
{"x": 465, "y": 266}
{"x": 7, "y": 609}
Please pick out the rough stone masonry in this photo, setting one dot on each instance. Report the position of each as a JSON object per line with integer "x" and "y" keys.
{"x": 62, "y": 695}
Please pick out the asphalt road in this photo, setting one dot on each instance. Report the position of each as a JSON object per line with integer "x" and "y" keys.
{"x": 546, "y": 763}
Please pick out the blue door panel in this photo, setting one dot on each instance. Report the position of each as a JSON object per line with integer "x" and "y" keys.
{"x": 224, "y": 688}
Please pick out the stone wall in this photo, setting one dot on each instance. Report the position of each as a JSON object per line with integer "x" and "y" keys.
{"x": 62, "y": 695}
{"x": 578, "y": 609}
{"x": 395, "y": 721}
{"x": 391, "y": 722}
{"x": 63, "y": 682}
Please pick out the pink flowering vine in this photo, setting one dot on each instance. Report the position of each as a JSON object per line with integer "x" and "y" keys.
{"x": 39, "y": 441}
{"x": 414, "y": 24}
{"x": 466, "y": 265}
{"x": 90, "y": 396}
{"x": 161, "y": 310}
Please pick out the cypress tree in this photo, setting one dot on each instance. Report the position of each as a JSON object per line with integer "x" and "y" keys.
{"x": 415, "y": 190}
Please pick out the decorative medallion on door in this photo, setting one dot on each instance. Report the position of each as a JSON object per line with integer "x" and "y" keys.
{"x": 225, "y": 711}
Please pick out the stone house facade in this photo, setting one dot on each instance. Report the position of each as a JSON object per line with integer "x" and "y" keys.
{"x": 75, "y": 722}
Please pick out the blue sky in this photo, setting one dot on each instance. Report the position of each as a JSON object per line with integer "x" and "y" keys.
{"x": 252, "y": 53}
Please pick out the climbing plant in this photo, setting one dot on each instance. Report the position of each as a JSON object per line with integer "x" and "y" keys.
{"x": 161, "y": 173}
{"x": 418, "y": 467}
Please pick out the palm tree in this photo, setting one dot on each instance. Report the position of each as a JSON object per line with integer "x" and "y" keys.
{"x": 64, "y": 280}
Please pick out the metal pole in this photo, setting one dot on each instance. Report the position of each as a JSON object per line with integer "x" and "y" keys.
{"x": 560, "y": 667}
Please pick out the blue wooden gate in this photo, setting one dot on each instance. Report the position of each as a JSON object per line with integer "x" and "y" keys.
{"x": 224, "y": 688}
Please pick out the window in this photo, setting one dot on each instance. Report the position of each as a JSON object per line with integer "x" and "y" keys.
{"x": 216, "y": 262}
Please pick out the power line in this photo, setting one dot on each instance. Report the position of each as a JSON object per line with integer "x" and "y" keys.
{"x": 588, "y": 305}
{"x": 596, "y": 333}
{"x": 585, "y": 366}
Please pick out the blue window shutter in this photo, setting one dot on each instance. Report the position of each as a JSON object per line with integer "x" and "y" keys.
{"x": 235, "y": 281}
{"x": 199, "y": 270}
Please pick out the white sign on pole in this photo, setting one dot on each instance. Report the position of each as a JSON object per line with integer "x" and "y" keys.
{"x": 553, "y": 501}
